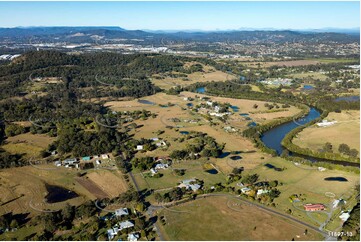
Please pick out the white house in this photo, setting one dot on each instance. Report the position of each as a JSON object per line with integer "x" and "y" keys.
{"x": 121, "y": 212}
{"x": 125, "y": 225}
{"x": 245, "y": 190}
{"x": 321, "y": 168}
{"x": 262, "y": 191}
{"x": 190, "y": 184}
{"x": 140, "y": 147}
{"x": 105, "y": 156}
{"x": 133, "y": 237}
{"x": 161, "y": 166}
{"x": 325, "y": 123}
{"x": 112, "y": 232}
{"x": 344, "y": 216}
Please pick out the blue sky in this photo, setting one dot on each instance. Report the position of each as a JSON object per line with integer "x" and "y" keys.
{"x": 183, "y": 15}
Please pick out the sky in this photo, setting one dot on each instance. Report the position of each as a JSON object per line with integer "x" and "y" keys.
{"x": 183, "y": 15}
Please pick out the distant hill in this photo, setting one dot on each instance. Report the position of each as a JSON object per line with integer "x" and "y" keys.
{"x": 91, "y": 33}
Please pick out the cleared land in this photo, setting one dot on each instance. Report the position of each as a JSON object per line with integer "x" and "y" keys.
{"x": 209, "y": 74}
{"x": 346, "y": 130}
{"x": 23, "y": 189}
{"x": 219, "y": 218}
{"x": 30, "y": 145}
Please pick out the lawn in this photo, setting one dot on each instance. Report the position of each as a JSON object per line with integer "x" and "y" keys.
{"x": 221, "y": 218}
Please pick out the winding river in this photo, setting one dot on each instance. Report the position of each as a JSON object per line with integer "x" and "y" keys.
{"x": 273, "y": 137}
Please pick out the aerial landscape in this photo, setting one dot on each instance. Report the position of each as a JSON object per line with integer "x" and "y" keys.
{"x": 180, "y": 121}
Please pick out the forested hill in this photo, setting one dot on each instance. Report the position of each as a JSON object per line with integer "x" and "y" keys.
{"x": 85, "y": 74}
{"x": 92, "y": 34}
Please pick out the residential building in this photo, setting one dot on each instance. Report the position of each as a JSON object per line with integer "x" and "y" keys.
{"x": 133, "y": 237}
{"x": 121, "y": 212}
{"x": 314, "y": 207}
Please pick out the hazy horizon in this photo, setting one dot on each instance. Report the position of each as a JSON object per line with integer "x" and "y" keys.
{"x": 178, "y": 16}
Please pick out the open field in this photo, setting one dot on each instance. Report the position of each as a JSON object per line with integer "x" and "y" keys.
{"x": 209, "y": 74}
{"x": 346, "y": 130}
{"x": 219, "y": 218}
{"x": 28, "y": 144}
{"x": 23, "y": 189}
{"x": 308, "y": 181}
{"x": 194, "y": 169}
{"x": 110, "y": 183}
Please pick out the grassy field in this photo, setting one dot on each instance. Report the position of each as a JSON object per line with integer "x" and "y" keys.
{"x": 307, "y": 181}
{"x": 194, "y": 169}
{"x": 212, "y": 219}
{"x": 28, "y": 144}
{"x": 346, "y": 130}
{"x": 23, "y": 189}
{"x": 209, "y": 74}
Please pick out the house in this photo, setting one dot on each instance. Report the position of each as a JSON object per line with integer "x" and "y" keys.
{"x": 321, "y": 168}
{"x": 57, "y": 163}
{"x": 155, "y": 139}
{"x": 105, "y": 156}
{"x": 325, "y": 123}
{"x": 86, "y": 158}
{"x": 161, "y": 143}
{"x": 98, "y": 162}
{"x": 125, "y": 225}
{"x": 121, "y": 212}
{"x": 262, "y": 191}
{"x": 344, "y": 216}
{"x": 153, "y": 171}
{"x": 161, "y": 166}
{"x": 339, "y": 202}
{"x": 240, "y": 184}
{"x": 210, "y": 103}
{"x": 70, "y": 161}
{"x": 245, "y": 190}
{"x": 314, "y": 207}
{"x": 112, "y": 232}
{"x": 133, "y": 237}
{"x": 140, "y": 147}
{"x": 54, "y": 152}
{"x": 190, "y": 184}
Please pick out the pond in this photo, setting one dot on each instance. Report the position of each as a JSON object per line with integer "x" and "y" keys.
{"x": 308, "y": 87}
{"x": 184, "y": 132}
{"x": 212, "y": 171}
{"x": 146, "y": 102}
{"x": 252, "y": 124}
{"x": 234, "y": 108}
{"x": 348, "y": 98}
{"x": 244, "y": 114}
{"x": 58, "y": 194}
{"x": 336, "y": 178}
{"x": 201, "y": 89}
{"x": 236, "y": 157}
{"x": 224, "y": 154}
{"x": 189, "y": 104}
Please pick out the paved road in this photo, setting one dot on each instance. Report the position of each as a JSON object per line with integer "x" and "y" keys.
{"x": 134, "y": 182}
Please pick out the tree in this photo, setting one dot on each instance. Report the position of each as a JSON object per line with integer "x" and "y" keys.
{"x": 344, "y": 148}
{"x": 327, "y": 147}
{"x": 353, "y": 153}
